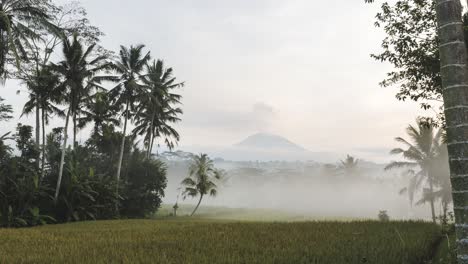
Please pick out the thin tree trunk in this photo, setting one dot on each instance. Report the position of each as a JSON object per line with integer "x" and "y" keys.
{"x": 122, "y": 147}
{"x": 43, "y": 143}
{"x": 74, "y": 130}
{"x": 62, "y": 158}
{"x": 199, "y": 202}
{"x": 151, "y": 137}
{"x": 38, "y": 129}
{"x": 431, "y": 188}
{"x": 151, "y": 146}
{"x": 454, "y": 73}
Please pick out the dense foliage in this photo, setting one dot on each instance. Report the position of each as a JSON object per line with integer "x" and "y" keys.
{"x": 411, "y": 47}
{"x": 44, "y": 178}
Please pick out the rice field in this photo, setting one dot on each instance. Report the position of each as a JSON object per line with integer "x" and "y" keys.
{"x": 201, "y": 241}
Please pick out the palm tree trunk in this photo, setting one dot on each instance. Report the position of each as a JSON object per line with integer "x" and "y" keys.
{"x": 199, "y": 202}
{"x": 431, "y": 188}
{"x": 62, "y": 158}
{"x": 43, "y": 143}
{"x": 151, "y": 136}
{"x": 38, "y": 129}
{"x": 122, "y": 146}
{"x": 74, "y": 130}
{"x": 454, "y": 73}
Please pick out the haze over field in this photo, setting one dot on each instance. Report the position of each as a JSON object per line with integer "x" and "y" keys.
{"x": 270, "y": 172}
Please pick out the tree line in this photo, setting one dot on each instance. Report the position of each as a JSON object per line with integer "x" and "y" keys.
{"x": 47, "y": 178}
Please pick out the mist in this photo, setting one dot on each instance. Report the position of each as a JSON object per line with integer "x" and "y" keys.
{"x": 307, "y": 189}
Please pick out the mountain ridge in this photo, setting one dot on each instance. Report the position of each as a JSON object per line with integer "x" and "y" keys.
{"x": 269, "y": 141}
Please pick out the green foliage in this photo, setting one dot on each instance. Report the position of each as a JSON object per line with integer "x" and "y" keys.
{"x": 383, "y": 216}
{"x": 202, "y": 180}
{"x": 145, "y": 181}
{"x": 5, "y": 110}
{"x": 21, "y": 192}
{"x": 207, "y": 241}
{"x": 426, "y": 164}
{"x": 85, "y": 189}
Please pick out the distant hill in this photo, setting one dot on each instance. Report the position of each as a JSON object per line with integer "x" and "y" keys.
{"x": 265, "y": 147}
{"x": 268, "y": 142}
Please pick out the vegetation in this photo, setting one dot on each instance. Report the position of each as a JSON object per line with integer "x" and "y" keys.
{"x": 202, "y": 180}
{"x": 51, "y": 181}
{"x": 426, "y": 164}
{"x": 207, "y": 241}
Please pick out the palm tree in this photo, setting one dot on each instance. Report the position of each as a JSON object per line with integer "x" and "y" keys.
{"x": 157, "y": 111}
{"x": 15, "y": 33}
{"x": 130, "y": 67}
{"x": 99, "y": 111}
{"x": 453, "y": 63}
{"x": 44, "y": 93}
{"x": 349, "y": 166}
{"x": 78, "y": 71}
{"x": 421, "y": 153}
{"x": 202, "y": 179}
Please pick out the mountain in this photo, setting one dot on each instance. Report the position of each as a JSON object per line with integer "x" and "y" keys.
{"x": 269, "y": 142}
{"x": 265, "y": 147}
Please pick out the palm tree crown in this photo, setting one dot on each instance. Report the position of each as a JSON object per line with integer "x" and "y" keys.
{"x": 202, "y": 179}
{"x": 421, "y": 153}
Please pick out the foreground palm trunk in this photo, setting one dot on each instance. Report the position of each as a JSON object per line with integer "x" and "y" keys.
{"x": 62, "y": 158}
{"x": 454, "y": 72}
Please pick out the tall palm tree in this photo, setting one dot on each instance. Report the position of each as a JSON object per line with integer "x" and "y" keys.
{"x": 128, "y": 90}
{"x": 454, "y": 73}
{"x": 158, "y": 110}
{"x": 15, "y": 15}
{"x": 79, "y": 72}
{"x": 202, "y": 179}
{"x": 44, "y": 94}
{"x": 99, "y": 111}
{"x": 421, "y": 152}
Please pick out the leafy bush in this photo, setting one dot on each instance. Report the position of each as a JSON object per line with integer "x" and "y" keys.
{"x": 89, "y": 188}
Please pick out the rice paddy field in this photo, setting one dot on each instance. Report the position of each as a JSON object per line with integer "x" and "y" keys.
{"x": 203, "y": 241}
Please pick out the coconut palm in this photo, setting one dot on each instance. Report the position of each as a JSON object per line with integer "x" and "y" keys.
{"x": 15, "y": 34}
{"x": 44, "y": 94}
{"x": 453, "y": 63}
{"x": 421, "y": 153}
{"x": 99, "y": 111}
{"x": 78, "y": 72}
{"x": 157, "y": 110}
{"x": 349, "y": 166}
{"x": 202, "y": 179}
{"x": 128, "y": 90}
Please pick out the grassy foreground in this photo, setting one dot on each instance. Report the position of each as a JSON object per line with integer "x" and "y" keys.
{"x": 208, "y": 241}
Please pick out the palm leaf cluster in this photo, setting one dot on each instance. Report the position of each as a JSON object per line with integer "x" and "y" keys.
{"x": 202, "y": 180}
{"x": 426, "y": 164}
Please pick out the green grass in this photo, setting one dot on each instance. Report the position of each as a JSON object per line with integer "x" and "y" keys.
{"x": 445, "y": 253}
{"x": 209, "y": 241}
{"x": 241, "y": 214}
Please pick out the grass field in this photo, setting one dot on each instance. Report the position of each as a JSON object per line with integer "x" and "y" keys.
{"x": 243, "y": 214}
{"x": 200, "y": 241}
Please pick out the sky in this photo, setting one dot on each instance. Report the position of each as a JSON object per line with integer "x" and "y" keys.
{"x": 298, "y": 68}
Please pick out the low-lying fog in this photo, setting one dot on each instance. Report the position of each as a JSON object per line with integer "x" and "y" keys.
{"x": 308, "y": 189}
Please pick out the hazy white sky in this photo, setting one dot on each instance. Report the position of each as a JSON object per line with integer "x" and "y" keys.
{"x": 297, "y": 68}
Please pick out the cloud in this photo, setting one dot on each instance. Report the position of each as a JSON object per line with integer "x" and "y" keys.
{"x": 260, "y": 117}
